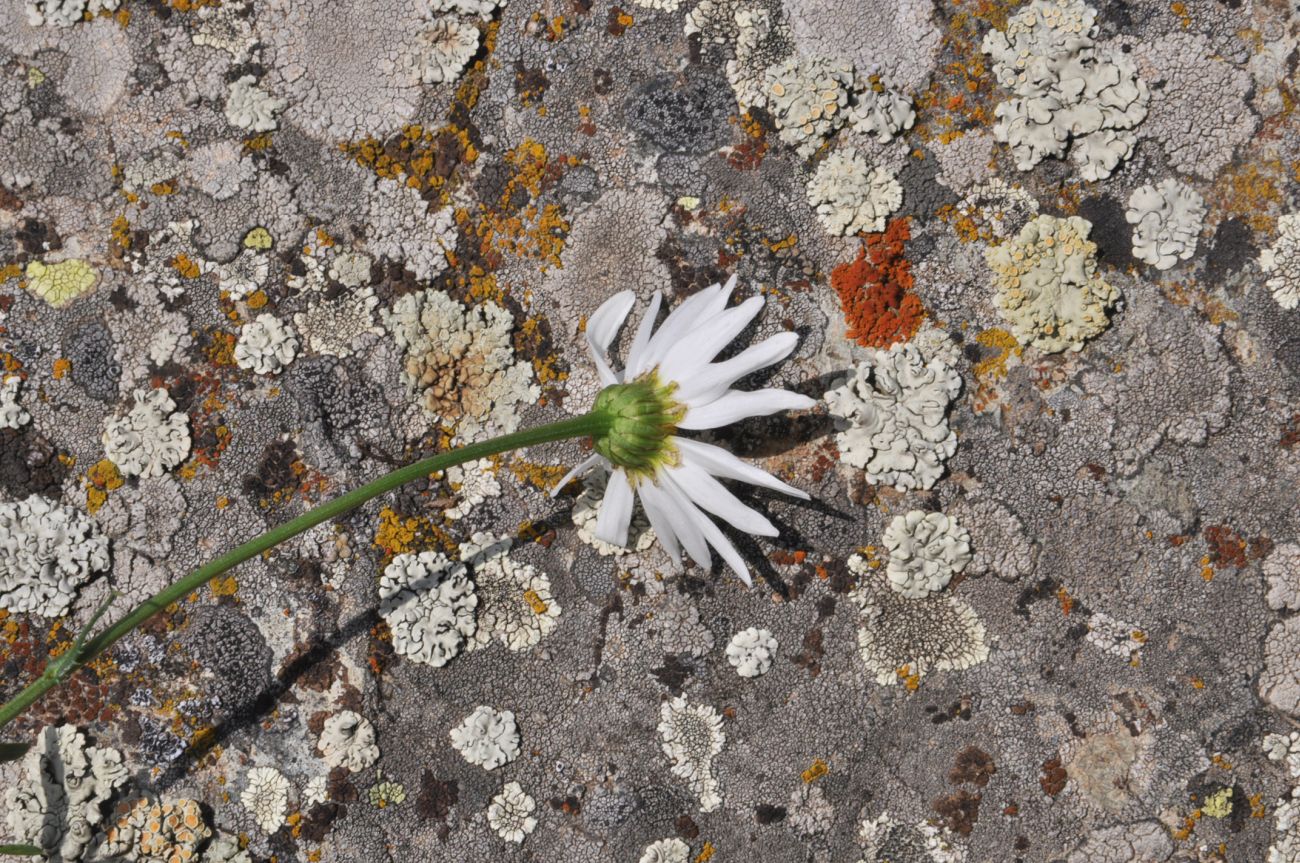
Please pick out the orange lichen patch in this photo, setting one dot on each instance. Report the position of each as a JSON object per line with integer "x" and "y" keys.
{"x": 503, "y": 227}
{"x": 425, "y": 157}
{"x": 190, "y": 5}
{"x": 120, "y": 236}
{"x": 257, "y": 300}
{"x": 1181, "y": 834}
{"x": 874, "y": 290}
{"x": 535, "y": 602}
{"x": 748, "y": 154}
{"x": 11, "y": 271}
{"x": 1203, "y": 302}
{"x": 186, "y": 266}
{"x": 818, "y": 769}
{"x": 911, "y": 680}
{"x": 618, "y": 21}
{"x": 706, "y": 853}
{"x": 61, "y": 368}
{"x": 964, "y": 224}
{"x": 994, "y": 367}
{"x": 219, "y": 346}
{"x": 102, "y": 478}
{"x": 959, "y": 97}
{"x": 1257, "y": 807}
{"x": 1198, "y": 683}
{"x": 89, "y": 696}
{"x": 1066, "y": 601}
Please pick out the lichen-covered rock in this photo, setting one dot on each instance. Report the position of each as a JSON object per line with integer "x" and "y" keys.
{"x": 902, "y": 640}
{"x": 1166, "y": 222}
{"x": 892, "y": 417}
{"x": 850, "y": 196}
{"x": 926, "y": 549}
{"x": 1048, "y": 286}
{"x": 47, "y": 552}
{"x": 487, "y": 737}
{"x": 516, "y": 607}
{"x": 151, "y": 439}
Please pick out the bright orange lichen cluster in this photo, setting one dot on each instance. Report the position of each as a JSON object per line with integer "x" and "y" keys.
{"x": 874, "y": 290}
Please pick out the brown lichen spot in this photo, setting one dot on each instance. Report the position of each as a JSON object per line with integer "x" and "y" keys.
{"x": 1290, "y": 433}
{"x": 1054, "y": 776}
{"x": 973, "y": 766}
{"x": 1064, "y": 600}
{"x": 810, "y": 656}
{"x": 959, "y": 811}
{"x": 436, "y": 797}
{"x": 749, "y": 153}
{"x": 874, "y": 290}
{"x": 530, "y": 84}
{"x": 1227, "y": 548}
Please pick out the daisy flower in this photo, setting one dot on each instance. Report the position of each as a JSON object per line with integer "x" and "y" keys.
{"x": 671, "y": 382}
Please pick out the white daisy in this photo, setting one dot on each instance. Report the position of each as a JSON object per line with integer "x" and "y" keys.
{"x": 670, "y": 382}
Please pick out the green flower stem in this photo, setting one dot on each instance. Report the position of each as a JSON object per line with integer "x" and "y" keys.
{"x": 594, "y": 424}
{"x": 21, "y": 850}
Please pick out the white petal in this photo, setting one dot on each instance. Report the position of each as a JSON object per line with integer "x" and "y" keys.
{"x": 736, "y": 405}
{"x": 719, "y": 462}
{"x": 615, "y": 510}
{"x": 713, "y": 380}
{"x": 653, "y": 504}
{"x": 711, "y": 495}
{"x": 682, "y": 515}
{"x": 583, "y": 466}
{"x": 708, "y": 532}
{"x": 643, "y": 331}
{"x": 695, "y": 309}
{"x": 702, "y": 343}
{"x": 602, "y": 326}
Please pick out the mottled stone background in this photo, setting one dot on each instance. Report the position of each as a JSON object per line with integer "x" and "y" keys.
{"x": 1104, "y": 682}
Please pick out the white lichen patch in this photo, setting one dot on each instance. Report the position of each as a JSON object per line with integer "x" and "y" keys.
{"x": 1282, "y": 570}
{"x": 348, "y": 740}
{"x": 1166, "y": 220}
{"x": 1048, "y": 286}
{"x": 1279, "y": 682}
{"x": 850, "y": 196}
{"x": 510, "y": 813}
{"x": 926, "y": 549}
{"x": 12, "y": 414}
{"x": 47, "y": 551}
{"x": 516, "y": 607}
{"x": 1281, "y": 262}
{"x": 902, "y": 640}
{"x": 401, "y": 227}
{"x": 808, "y": 98}
{"x": 244, "y": 274}
{"x": 666, "y": 851}
{"x": 881, "y": 112}
{"x": 169, "y": 831}
{"x": 266, "y": 346}
{"x": 1069, "y": 93}
{"x": 1114, "y": 637}
{"x": 487, "y": 737}
{"x": 428, "y": 602}
{"x": 692, "y": 737}
{"x": 750, "y": 651}
{"x": 65, "y": 13}
{"x": 885, "y": 840}
{"x": 151, "y": 438}
{"x": 250, "y": 107}
{"x": 266, "y": 797}
{"x": 1284, "y": 748}
{"x": 471, "y": 484}
{"x": 58, "y": 804}
{"x": 891, "y": 416}
{"x": 449, "y": 43}
{"x": 460, "y": 361}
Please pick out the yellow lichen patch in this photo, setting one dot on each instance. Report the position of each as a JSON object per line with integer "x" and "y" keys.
{"x": 167, "y": 187}
{"x": 425, "y": 157}
{"x": 1218, "y": 804}
{"x": 530, "y": 231}
{"x": 61, "y": 283}
{"x": 994, "y": 367}
{"x": 911, "y": 680}
{"x": 120, "y": 236}
{"x": 178, "y": 136}
{"x": 223, "y": 586}
{"x": 398, "y": 534}
{"x": 706, "y": 853}
{"x": 258, "y": 238}
{"x": 10, "y": 271}
{"x": 258, "y": 143}
{"x": 540, "y": 476}
{"x": 190, "y": 5}
{"x": 219, "y": 347}
{"x": 61, "y": 368}
{"x": 257, "y": 299}
{"x": 102, "y": 478}
{"x": 958, "y": 97}
{"x": 535, "y": 602}
{"x": 816, "y": 771}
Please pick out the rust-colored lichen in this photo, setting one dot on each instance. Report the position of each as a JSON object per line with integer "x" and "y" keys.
{"x": 875, "y": 290}
{"x": 1054, "y": 777}
{"x": 1227, "y": 548}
